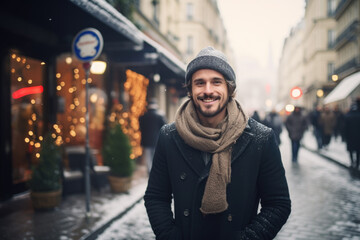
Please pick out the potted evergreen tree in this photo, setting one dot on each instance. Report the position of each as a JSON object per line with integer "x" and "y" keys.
{"x": 116, "y": 154}
{"x": 45, "y": 183}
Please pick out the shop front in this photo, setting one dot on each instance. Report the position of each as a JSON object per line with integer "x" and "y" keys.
{"x": 43, "y": 85}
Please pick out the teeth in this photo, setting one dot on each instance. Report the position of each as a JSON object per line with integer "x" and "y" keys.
{"x": 208, "y": 100}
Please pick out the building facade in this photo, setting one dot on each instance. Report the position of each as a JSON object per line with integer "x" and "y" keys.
{"x": 315, "y": 40}
{"x": 347, "y": 64}
{"x": 187, "y": 25}
{"x": 291, "y": 66}
{"x": 329, "y": 48}
{"x": 183, "y": 28}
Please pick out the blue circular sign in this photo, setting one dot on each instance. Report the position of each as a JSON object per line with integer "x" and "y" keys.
{"x": 88, "y": 44}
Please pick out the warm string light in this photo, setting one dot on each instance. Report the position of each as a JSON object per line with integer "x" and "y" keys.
{"x": 73, "y": 109}
{"x": 32, "y": 137}
{"x": 57, "y": 135}
{"x": 136, "y": 86}
{"x": 69, "y": 134}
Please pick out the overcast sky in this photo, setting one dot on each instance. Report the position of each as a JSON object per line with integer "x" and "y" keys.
{"x": 255, "y": 26}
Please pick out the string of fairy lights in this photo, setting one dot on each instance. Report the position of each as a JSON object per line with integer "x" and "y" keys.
{"x": 75, "y": 111}
{"x": 20, "y": 70}
{"x": 135, "y": 86}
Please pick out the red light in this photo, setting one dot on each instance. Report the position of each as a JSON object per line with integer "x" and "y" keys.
{"x": 268, "y": 88}
{"x": 296, "y": 92}
{"x": 27, "y": 91}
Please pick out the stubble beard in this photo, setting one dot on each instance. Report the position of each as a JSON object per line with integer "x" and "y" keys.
{"x": 208, "y": 114}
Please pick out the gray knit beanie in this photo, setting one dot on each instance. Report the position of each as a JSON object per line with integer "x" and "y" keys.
{"x": 209, "y": 58}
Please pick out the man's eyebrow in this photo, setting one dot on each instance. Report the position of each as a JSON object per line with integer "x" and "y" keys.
{"x": 214, "y": 78}
{"x": 198, "y": 79}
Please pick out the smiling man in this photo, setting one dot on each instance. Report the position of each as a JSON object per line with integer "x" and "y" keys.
{"x": 216, "y": 164}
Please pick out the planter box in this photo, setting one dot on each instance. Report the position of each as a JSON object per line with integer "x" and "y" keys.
{"x": 120, "y": 184}
{"x": 46, "y": 200}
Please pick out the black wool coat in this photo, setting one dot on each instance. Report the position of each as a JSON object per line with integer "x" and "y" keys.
{"x": 257, "y": 174}
{"x": 352, "y": 130}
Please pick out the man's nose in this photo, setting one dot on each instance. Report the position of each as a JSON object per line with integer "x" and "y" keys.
{"x": 208, "y": 88}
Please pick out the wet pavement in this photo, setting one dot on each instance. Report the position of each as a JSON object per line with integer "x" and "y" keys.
{"x": 325, "y": 200}
{"x": 325, "y": 196}
{"x": 18, "y": 220}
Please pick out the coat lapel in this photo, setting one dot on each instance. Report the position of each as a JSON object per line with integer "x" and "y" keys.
{"x": 241, "y": 144}
{"x": 192, "y": 156}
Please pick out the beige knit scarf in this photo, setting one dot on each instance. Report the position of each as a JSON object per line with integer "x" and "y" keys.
{"x": 217, "y": 141}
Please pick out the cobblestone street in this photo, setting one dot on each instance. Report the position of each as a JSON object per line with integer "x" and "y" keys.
{"x": 325, "y": 199}
{"x": 325, "y": 203}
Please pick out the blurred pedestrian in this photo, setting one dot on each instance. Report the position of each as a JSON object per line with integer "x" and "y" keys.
{"x": 274, "y": 121}
{"x": 327, "y": 122}
{"x": 317, "y": 131}
{"x": 211, "y": 144}
{"x": 150, "y": 125}
{"x": 296, "y": 124}
{"x": 339, "y": 126}
{"x": 352, "y": 133}
{"x": 256, "y": 116}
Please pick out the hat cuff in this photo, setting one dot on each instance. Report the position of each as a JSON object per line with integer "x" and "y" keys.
{"x": 210, "y": 62}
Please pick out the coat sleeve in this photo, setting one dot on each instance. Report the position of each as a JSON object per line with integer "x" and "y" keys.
{"x": 158, "y": 195}
{"x": 274, "y": 196}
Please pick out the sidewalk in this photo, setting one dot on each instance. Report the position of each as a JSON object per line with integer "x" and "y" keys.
{"x": 336, "y": 151}
{"x": 18, "y": 220}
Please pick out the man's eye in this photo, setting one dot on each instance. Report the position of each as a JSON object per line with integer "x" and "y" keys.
{"x": 199, "y": 83}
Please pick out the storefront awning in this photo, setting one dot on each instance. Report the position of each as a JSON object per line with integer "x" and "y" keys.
{"x": 344, "y": 89}
{"x": 165, "y": 57}
{"x": 107, "y": 14}
{"x": 148, "y": 57}
{"x": 153, "y": 58}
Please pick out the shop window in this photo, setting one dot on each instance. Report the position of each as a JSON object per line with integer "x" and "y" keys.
{"x": 71, "y": 113}
{"x": 128, "y": 100}
{"x": 27, "y": 78}
{"x": 130, "y": 108}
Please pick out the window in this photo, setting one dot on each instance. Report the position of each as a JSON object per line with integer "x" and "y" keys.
{"x": 331, "y": 7}
{"x": 190, "y": 45}
{"x": 71, "y": 116}
{"x": 189, "y": 11}
{"x": 137, "y": 3}
{"x": 331, "y": 38}
{"x": 26, "y": 113}
{"x": 155, "y": 4}
{"x": 331, "y": 70}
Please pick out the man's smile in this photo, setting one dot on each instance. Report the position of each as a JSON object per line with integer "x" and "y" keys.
{"x": 209, "y": 99}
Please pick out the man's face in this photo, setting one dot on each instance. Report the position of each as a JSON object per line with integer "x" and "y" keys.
{"x": 209, "y": 93}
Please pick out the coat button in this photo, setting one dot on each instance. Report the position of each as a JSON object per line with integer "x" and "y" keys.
{"x": 186, "y": 212}
{"x": 183, "y": 176}
{"x": 229, "y": 218}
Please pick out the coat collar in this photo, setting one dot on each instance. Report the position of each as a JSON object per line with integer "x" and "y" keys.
{"x": 194, "y": 159}
{"x": 241, "y": 144}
